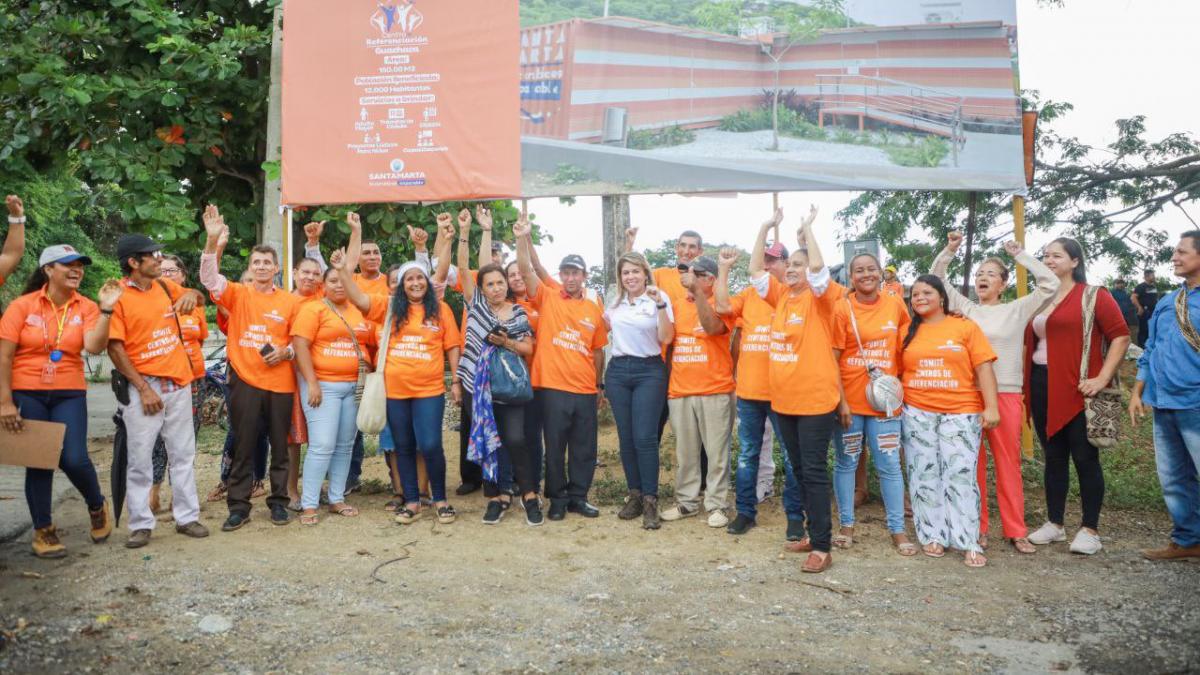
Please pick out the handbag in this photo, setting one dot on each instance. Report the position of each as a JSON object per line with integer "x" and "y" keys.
{"x": 885, "y": 393}
{"x": 372, "y": 408}
{"x": 364, "y": 366}
{"x": 1105, "y": 409}
{"x": 1185, "y": 322}
{"x": 509, "y": 378}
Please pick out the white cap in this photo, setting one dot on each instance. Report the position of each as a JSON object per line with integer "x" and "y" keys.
{"x": 62, "y": 253}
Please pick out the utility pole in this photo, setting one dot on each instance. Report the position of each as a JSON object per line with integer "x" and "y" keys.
{"x": 272, "y": 229}
{"x": 972, "y": 200}
{"x": 615, "y": 219}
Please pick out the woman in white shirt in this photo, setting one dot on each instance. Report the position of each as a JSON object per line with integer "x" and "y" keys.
{"x": 640, "y": 322}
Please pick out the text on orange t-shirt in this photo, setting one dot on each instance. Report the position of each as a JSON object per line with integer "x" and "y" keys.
{"x": 803, "y": 373}
{"x": 332, "y": 350}
{"x": 257, "y": 319}
{"x": 144, "y": 320}
{"x": 416, "y": 353}
{"x": 882, "y": 326}
{"x": 570, "y": 331}
{"x": 939, "y": 366}
{"x": 701, "y": 364}
{"x": 754, "y": 316}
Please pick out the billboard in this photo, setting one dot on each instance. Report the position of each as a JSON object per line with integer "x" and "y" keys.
{"x": 873, "y": 94}
{"x": 399, "y": 100}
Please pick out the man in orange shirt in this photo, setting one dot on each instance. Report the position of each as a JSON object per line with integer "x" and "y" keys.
{"x": 145, "y": 343}
{"x": 700, "y": 396}
{"x": 261, "y": 381}
{"x": 370, "y": 277}
{"x": 891, "y": 282}
{"x": 568, "y": 371}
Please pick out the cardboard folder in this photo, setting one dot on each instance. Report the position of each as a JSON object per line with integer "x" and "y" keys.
{"x": 38, "y": 445}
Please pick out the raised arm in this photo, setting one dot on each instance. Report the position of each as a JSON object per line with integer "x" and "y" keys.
{"x": 1045, "y": 281}
{"x": 666, "y": 320}
{"x": 441, "y": 248}
{"x": 942, "y": 262}
{"x": 216, "y": 237}
{"x": 96, "y": 340}
{"x": 760, "y": 244}
{"x": 522, "y": 230}
{"x": 312, "y": 243}
{"x": 354, "y": 294}
{"x": 484, "y": 218}
{"x": 808, "y": 240}
{"x": 14, "y": 243}
{"x": 354, "y": 246}
{"x": 630, "y": 239}
{"x": 727, "y": 258}
{"x": 464, "y": 255}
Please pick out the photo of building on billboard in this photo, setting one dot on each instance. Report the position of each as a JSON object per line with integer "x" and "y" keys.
{"x": 728, "y": 95}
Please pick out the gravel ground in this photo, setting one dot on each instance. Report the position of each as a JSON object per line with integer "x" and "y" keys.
{"x": 581, "y": 595}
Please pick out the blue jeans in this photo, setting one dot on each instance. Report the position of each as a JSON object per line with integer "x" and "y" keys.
{"x": 331, "y": 430}
{"x": 416, "y": 426}
{"x": 356, "y": 459}
{"x": 386, "y": 444}
{"x": 69, "y": 407}
{"x": 636, "y": 389}
{"x": 1177, "y": 454}
{"x": 752, "y": 422}
{"x": 882, "y": 435}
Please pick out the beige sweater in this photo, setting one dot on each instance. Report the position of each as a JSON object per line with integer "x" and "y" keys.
{"x": 1004, "y": 324}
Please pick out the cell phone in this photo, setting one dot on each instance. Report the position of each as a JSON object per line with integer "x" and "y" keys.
{"x": 682, "y": 267}
{"x": 266, "y": 349}
{"x": 498, "y": 330}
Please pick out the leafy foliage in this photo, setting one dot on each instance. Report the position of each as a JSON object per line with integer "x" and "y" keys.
{"x": 646, "y": 139}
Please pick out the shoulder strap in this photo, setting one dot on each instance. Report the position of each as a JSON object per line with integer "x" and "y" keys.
{"x": 171, "y": 301}
{"x": 1089, "y": 319}
{"x": 854, "y": 325}
{"x": 357, "y": 349}
{"x": 1184, "y": 320}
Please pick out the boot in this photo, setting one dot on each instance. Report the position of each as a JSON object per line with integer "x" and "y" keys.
{"x": 46, "y": 543}
{"x": 650, "y": 519}
{"x": 633, "y": 506}
{"x": 101, "y": 523}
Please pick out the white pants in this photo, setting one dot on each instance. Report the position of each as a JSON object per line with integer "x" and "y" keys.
{"x": 766, "y": 463}
{"x": 174, "y": 422}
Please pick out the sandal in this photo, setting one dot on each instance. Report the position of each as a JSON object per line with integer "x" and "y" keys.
{"x": 1023, "y": 545}
{"x": 983, "y": 541}
{"x": 974, "y": 559}
{"x": 903, "y": 546}
{"x": 395, "y": 504}
{"x": 217, "y": 494}
{"x": 844, "y": 538}
{"x": 309, "y": 518}
{"x": 406, "y": 516}
{"x": 344, "y": 510}
{"x": 446, "y": 514}
{"x": 934, "y": 550}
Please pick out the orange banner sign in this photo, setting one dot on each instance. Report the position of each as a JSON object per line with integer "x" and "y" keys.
{"x": 400, "y": 100}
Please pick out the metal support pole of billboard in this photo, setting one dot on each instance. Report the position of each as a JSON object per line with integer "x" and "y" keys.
{"x": 972, "y": 202}
{"x": 615, "y": 220}
{"x": 1028, "y": 133}
{"x": 774, "y": 208}
{"x": 271, "y": 231}
{"x": 285, "y": 255}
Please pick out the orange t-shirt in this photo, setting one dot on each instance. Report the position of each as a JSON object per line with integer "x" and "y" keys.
{"x": 701, "y": 364}
{"x": 570, "y": 332}
{"x": 145, "y": 321}
{"x": 667, "y": 280}
{"x": 31, "y": 323}
{"x": 257, "y": 319}
{"x": 754, "y": 316}
{"x": 416, "y": 355}
{"x": 882, "y": 326}
{"x": 376, "y": 286}
{"x": 894, "y": 288}
{"x": 803, "y": 373}
{"x": 333, "y": 355}
{"x": 195, "y": 332}
{"x": 939, "y": 366}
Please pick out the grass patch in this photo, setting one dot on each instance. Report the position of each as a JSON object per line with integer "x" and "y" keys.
{"x": 928, "y": 152}
{"x": 665, "y": 137}
{"x": 569, "y": 174}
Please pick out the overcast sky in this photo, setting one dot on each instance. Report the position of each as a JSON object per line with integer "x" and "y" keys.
{"x": 1110, "y": 58}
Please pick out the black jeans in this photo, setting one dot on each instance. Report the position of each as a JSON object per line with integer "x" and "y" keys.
{"x": 806, "y": 440}
{"x": 1070, "y": 443}
{"x": 468, "y": 471}
{"x": 569, "y": 424}
{"x": 250, "y": 410}
{"x": 514, "y": 457}
{"x": 636, "y": 389}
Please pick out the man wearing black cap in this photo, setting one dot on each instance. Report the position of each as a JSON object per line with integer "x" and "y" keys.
{"x": 568, "y": 373}
{"x": 146, "y": 347}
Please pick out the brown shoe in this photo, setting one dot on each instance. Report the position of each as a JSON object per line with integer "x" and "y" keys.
{"x": 101, "y": 523}
{"x": 193, "y": 529}
{"x": 1172, "y": 551}
{"x": 815, "y": 564}
{"x": 650, "y": 519}
{"x": 46, "y": 543}
{"x": 802, "y": 546}
{"x": 633, "y": 506}
{"x": 155, "y": 505}
{"x": 138, "y": 539}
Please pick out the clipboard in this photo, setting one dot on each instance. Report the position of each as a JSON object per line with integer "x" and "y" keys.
{"x": 38, "y": 446}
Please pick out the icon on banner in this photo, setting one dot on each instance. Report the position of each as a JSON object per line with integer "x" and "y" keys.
{"x": 397, "y": 165}
{"x": 397, "y": 18}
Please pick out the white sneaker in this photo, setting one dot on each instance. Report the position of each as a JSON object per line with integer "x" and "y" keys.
{"x": 678, "y": 512}
{"x": 1085, "y": 543}
{"x": 1047, "y": 534}
{"x": 717, "y": 518}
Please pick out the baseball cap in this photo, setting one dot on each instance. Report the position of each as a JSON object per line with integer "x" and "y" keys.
{"x": 62, "y": 253}
{"x": 890, "y": 268}
{"x": 776, "y": 250}
{"x": 574, "y": 260}
{"x": 130, "y": 245}
{"x": 705, "y": 264}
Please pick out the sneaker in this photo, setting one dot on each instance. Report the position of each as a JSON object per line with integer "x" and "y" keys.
{"x": 678, "y": 512}
{"x": 495, "y": 511}
{"x": 138, "y": 539}
{"x": 583, "y": 508}
{"x": 1172, "y": 551}
{"x": 717, "y": 518}
{"x": 633, "y": 506}
{"x": 1086, "y": 543}
{"x": 650, "y": 519}
{"x": 1047, "y": 534}
{"x": 533, "y": 512}
{"x": 741, "y": 524}
{"x": 193, "y": 529}
{"x": 235, "y": 521}
{"x": 101, "y": 523}
{"x": 795, "y": 530}
{"x": 46, "y": 543}
{"x": 280, "y": 515}
{"x": 558, "y": 510}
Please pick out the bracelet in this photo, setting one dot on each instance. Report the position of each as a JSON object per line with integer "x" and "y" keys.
{"x": 662, "y": 305}
{"x": 106, "y": 312}
{"x": 16, "y": 220}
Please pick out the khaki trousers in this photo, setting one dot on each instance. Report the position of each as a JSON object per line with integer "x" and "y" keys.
{"x": 702, "y": 421}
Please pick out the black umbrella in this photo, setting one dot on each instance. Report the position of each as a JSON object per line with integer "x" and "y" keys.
{"x": 120, "y": 463}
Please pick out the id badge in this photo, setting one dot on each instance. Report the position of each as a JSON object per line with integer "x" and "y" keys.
{"x": 48, "y": 370}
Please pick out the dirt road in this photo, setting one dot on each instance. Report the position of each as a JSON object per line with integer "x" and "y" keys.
{"x": 579, "y": 595}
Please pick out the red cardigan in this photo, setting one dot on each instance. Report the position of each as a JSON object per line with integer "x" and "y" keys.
{"x": 1064, "y": 350}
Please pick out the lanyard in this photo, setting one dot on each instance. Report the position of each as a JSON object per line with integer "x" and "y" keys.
{"x": 61, "y": 325}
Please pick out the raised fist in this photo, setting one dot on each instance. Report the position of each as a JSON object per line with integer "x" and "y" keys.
{"x": 418, "y": 236}
{"x": 16, "y": 207}
{"x": 337, "y": 259}
{"x": 776, "y": 219}
{"x": 654, "y": 294}
{"x": 522, "y": 228}
{"x": 483, "y": 217}
{"x": 1013, "y": 248}
{"x": 313, "y": 231}
{"x": 464, "y": 220}
{"x": 728, "y": 256}
{"x": 630, "y": 237}
{"x": 353, "y": 221}
{"x": 954, "y": 240}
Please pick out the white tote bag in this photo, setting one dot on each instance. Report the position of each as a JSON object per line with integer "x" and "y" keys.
{"x": 372, "y": 410}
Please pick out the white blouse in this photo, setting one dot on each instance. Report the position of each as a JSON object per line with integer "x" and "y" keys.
{"x": 635, "y": 326}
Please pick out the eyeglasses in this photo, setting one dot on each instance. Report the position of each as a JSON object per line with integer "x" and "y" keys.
{"x": 169, "y": 270}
